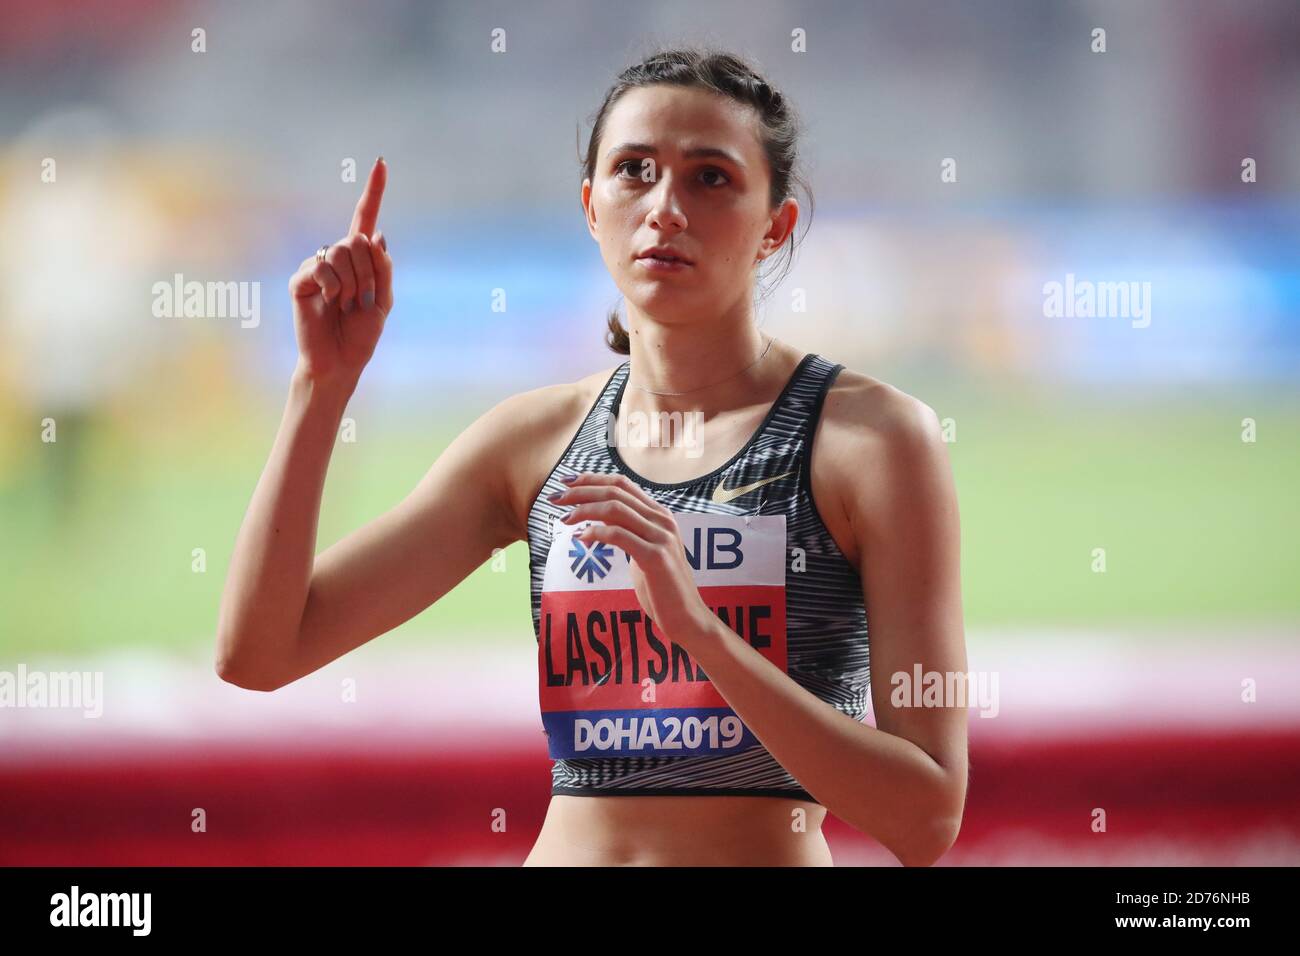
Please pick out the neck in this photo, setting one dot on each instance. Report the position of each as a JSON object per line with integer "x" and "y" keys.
{"x": 708, "y": 361}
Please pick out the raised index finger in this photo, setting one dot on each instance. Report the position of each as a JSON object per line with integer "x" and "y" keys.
{"x": 366, "y": 216}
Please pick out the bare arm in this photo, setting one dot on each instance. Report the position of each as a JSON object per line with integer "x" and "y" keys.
{"x": 380, "y": 575}
{"x": 284, "y": 612}
{"x": 340, "y": 304}
{"x": 271, "y": 565}
{"x": 906, "y": 520}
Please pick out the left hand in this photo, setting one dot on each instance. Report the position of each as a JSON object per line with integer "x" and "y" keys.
{"x": 630, "y": 519}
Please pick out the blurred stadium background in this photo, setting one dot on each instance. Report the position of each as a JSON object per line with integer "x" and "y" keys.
{"x": 1120, "y": 690}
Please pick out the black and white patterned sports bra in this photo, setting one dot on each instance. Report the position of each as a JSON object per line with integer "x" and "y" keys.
{"x": 628, "y": 713}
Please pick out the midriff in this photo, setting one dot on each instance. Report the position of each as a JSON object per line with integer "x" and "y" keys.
{"x": 681, "y": 831}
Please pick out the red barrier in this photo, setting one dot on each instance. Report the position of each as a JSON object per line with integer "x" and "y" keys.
{"x": 1168, "y": 798}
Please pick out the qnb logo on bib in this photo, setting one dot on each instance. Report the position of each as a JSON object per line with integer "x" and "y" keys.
{"x": 610, "y": 684}
{"x": 590, "y": 562}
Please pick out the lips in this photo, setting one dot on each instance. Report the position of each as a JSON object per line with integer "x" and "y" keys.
{"x": 663, "y": 254}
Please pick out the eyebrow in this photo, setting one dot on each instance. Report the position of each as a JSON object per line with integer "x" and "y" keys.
{"x": 699, "y": 151}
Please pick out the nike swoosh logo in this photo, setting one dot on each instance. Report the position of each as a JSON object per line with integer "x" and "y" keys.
{"x": 722, "y": 495}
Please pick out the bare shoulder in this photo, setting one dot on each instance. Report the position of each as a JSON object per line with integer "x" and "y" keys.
{"x": 551, "y": 405}
{"x": 872, "y": 438}
{"x": 537, "y": 426}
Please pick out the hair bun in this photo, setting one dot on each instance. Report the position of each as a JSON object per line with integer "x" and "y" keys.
{"x": 766, "y": 95}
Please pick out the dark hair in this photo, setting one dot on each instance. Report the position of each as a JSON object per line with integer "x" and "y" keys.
{"x": 731, "y": 76}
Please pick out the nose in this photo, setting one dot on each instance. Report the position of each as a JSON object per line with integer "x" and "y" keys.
{"x": 666, "y": 212}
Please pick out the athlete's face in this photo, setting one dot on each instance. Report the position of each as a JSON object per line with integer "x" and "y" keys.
{"x": 683, "y": 168}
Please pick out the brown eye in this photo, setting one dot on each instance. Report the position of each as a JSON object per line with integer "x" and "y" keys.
{"x": 637, "y": 173}
{"x": 713, "y": 169}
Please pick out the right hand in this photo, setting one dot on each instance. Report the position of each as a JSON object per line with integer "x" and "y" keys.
{"x": 337, "y": 330}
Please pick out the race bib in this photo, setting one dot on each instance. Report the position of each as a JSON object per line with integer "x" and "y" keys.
{"x": 610, "y": 685}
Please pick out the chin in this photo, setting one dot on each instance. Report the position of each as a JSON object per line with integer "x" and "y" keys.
{"x": 660, "y": 298}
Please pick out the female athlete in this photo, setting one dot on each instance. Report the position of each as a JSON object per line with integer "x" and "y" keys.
{"x": 700, "y": 603}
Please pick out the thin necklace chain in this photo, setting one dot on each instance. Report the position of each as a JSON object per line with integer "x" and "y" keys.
{"x": 688, "y": 391}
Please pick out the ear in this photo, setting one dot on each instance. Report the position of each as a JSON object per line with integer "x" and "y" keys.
{"x": 779, "y": 228}
{"x": 588, "y": 208}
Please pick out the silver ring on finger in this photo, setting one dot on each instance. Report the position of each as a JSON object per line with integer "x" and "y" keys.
{"x": 320, "y": 253}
